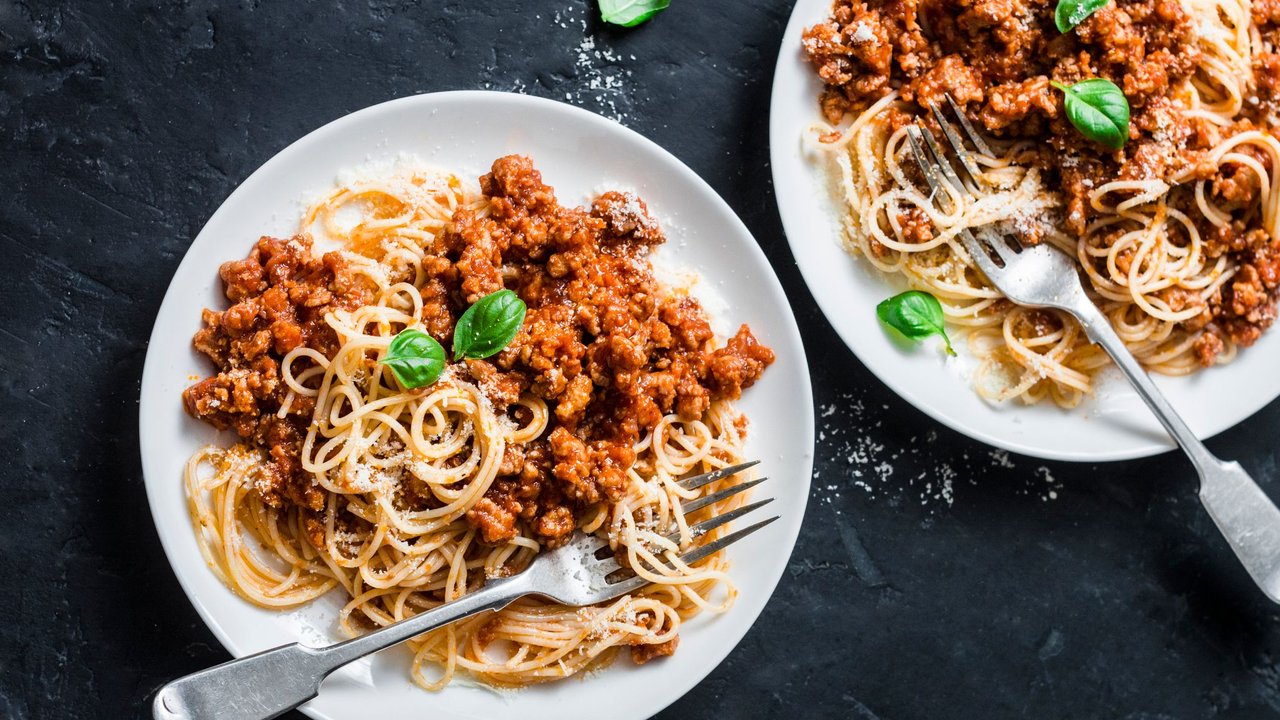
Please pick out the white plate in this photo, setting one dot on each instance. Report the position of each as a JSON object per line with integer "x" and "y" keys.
{"x": 1111, "y": 425}
{"x": 579, "y": 154}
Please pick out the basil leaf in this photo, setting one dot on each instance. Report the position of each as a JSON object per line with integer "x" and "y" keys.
{"x": 630, "y": 13}
{"x": 488, "y": 326}
{"x": 415, "y": 358}
{"x": 1099, "y": 110}
{"x": 916, "y": 315}
{"x": 1071, "y": 13}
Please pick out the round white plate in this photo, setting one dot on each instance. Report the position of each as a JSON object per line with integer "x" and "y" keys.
{"x": 1113, "y": 424}
{"x": 579, "y": 154}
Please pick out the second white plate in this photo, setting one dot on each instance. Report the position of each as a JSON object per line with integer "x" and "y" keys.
{"x": 1113, "y": 424}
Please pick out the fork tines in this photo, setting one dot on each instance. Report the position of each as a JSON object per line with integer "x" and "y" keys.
{"x": 970, "y": 132}
{"x": 630, "y": 581}
{"x": 937, "y": 169}
{"x": 702, "y": 551}
{"x": 698, "y": 481}
{"x": 935, "y": 160}
{"x": 716, "y": 497}
{"x": 699, "y": 529}
{"x": 716, "y": 521}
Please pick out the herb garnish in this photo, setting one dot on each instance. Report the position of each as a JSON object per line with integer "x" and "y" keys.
{"x": 488, "y": 325}
{"x": 916, "y": 315}
{"x": 415, "y": 358}
{"x": 1099, "y": 110}
{"x": 1071, "y": 13}
{"x": 629, "y": 13}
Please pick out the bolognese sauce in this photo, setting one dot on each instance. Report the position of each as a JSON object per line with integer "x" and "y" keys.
{"x": 997, "y": 58}
{"x": 608, "y": 348}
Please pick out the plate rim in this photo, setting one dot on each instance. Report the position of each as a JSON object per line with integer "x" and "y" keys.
{"x": 790, "y": 526}
{"x": 827, "y": 303}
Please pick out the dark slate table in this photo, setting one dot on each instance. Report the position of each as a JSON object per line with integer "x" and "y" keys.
{"x": 934, "y": 578}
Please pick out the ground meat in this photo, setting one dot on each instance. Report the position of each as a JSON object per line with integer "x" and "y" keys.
{"x": 1266, "y": 71}
{"x": 495, "y": 519}
{"x": 997, "y": 58}
{"x": 1180, "y": 299}
{"x": 641, "y": 654}
{"x": 503, "y": 388}
{"x": 1251, "y": 307}
{"x": 1207, "y": 348}
{"x": 627, "y": 219}
{"x": 916, "y": 226}
{"x": 1236, "y": 187}
{"x": 280, "y": 294}
{"x": 738, "y": 364}
{"x": 608, "y": 348}
{"x": 1266, "y": 60}
{"x": 557, "y": 522}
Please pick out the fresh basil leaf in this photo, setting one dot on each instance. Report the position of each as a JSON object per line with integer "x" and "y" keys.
{"x": 1071, "y": 13}
{"x": 1099, "y": 110}
{"x": 488, "y": 325}
{"x": 916, "y": 315}
{"x": 629, "y": 13}
{"x": 415, "y": 358}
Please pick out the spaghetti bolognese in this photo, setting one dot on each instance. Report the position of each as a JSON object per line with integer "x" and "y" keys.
{"x": 1177, "y": 230}
{"x": 611, "y": 390}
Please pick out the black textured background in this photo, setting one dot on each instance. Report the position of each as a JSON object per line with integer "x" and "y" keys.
{"x": 934, "y": 578}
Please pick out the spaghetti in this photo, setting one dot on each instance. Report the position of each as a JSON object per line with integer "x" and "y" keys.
{"x": 1177, "y": 233}
{"x": 406, "y": 499}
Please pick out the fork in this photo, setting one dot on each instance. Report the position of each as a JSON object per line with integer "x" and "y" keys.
{"x": 1045, "y": 277}
{"x": 265, "y": 685}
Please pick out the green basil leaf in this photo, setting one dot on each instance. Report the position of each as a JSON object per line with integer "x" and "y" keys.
{"x": 1099, "y": 110}
{"x": 415, "y": 358}
{"x": 916, "y": 315}
{"x": 1071, "y": 13}
{"x": 629, "y": 13}
{"x": 488, "y": 326}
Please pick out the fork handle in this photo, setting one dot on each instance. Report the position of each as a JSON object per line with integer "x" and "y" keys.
{"x": 1242, "y": 511}
{"x": 273, "y": 682}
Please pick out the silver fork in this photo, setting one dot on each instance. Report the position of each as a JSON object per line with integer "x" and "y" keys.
{"x": 1043, "y": 276}
{"x": 265, "y": 685}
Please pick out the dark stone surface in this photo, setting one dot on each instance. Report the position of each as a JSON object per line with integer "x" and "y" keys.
{"x": 1026, "y": 589}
